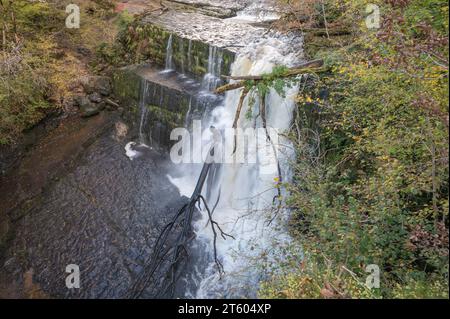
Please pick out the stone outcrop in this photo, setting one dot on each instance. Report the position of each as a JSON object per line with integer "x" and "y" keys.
{"x": 189, "y": 54}
{"x": 165, "y": 97}
{"x": 222, "y": 33}
{"x": 93, "y": 100}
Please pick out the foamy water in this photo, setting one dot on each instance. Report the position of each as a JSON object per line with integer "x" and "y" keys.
{"x": 246, "y": 191}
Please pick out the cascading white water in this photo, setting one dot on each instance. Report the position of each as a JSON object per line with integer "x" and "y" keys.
{"x": 143, "y": 110}
{"x": 132, "y": 148}
{"x": 212, "y": 78}
{"x": 169, "y": 54}
{"x": 246, "y": 192}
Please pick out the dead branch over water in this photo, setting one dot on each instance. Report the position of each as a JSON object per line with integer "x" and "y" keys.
{"x": 174, "y": 253}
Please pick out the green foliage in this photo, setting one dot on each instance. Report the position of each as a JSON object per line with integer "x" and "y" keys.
{"x": 274, "y": 80}
{"x": 22, "y": 104}
{"x": 109, "y": 54}
{"x": 124, "y": 20}
{"x": 371, "y": 177}
{"x": 115, "y": 54}
{"x": 433, "y": 12}
{"x": 314, "y": 281}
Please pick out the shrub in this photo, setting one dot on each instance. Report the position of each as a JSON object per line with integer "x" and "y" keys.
{"x": 371, "y": 176}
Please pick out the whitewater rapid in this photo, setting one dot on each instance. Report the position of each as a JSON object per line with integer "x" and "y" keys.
{"x": 245, "y": 192}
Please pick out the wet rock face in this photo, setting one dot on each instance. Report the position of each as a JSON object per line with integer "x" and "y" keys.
{"x": 167, "y": 101}
{"x": 126, "y": 86}
{"x": 221, "y": 33}
{"x": 213, "y": 8}
{"x": 5, "y": 226}
{"x": 96, "y": 89}
{"x": 189, "y": 55}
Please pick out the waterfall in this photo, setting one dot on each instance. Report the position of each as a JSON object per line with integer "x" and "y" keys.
{"x": 188, "y": 114}
{"x": 258, "y": 11}
{"x": 132, "y": 148}
{"x": 189, "y": 54}
{"x": 212, "y": 79}
{"x": 242, "y": 194}
{"x": 143, "y": 109}
{"x": 246, "y": 191}
{"x": 183, "y": 56}
{"x": 169, "y": 54}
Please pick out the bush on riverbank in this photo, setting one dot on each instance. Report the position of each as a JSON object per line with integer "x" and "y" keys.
{"x": 40, "y": 59}
{"x": 371, "y": 179}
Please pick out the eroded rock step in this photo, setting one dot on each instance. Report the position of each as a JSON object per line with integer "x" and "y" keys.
{"x": 192, "y": 45}
{"x": 214, "y": 8}
{"x": 189, "y": 55}
{"x": 193, "y": 35}
{"x": 251, "y": 11}
{"x": 169, "y": 100}
{"x": 222, "y": 33}
{"x": 189, "y": 38}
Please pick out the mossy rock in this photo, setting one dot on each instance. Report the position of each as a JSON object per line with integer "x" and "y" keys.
{"x": 191, "y": 57}
{"x": 126, "y": 86}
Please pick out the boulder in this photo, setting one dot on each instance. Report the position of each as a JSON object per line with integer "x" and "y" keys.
{"x": 11, "y": 265}
{"x": 94, "y": 100}
{"x": 101, "y": 105}
{"x": 121, "y": 131}
{"x": 81, "y": 100}
{"x": 89, "y": 110}
{"x": 95, "y": 97}
{"x": 96, "y": 84}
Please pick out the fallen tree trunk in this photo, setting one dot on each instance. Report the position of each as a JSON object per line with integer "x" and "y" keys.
{"x": 308, "y": 67}
{"x": 238, "y": 114}
{"x": 230, "y": 87}
{"x": 310, "y": 64}
{"x": 168, "y": 257}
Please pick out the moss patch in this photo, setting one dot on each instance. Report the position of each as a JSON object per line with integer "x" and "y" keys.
{"x": 149, "y": 42}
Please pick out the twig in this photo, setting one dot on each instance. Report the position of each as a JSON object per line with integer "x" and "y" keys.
{"x": 178, "y": 252}
{"x": 237, "y": 115}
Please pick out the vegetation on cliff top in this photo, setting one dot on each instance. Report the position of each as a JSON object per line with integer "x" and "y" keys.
{"x": 41, "y": 59}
